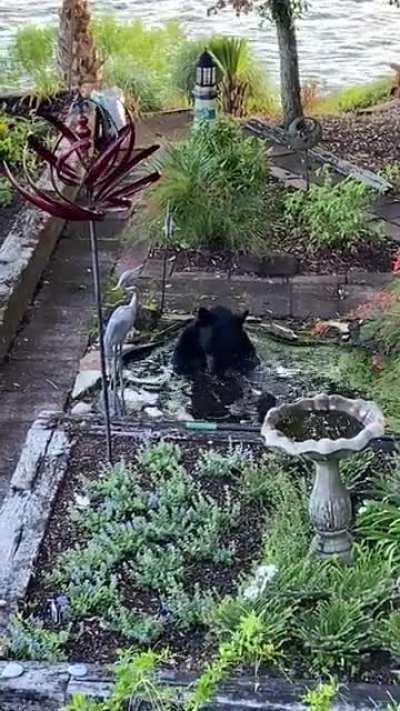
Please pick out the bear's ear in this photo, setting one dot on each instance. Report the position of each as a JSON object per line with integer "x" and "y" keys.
{"x": 243, "y": 316}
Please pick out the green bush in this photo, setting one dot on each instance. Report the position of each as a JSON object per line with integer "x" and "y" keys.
{"x": 362, "y": 96}
{"x": 32, "y": 60}
{"x": 215, "y": 185}
{"x": 138, "y": 59}
{"x": 237, "y": 68}
{"x": 331, "y": 215}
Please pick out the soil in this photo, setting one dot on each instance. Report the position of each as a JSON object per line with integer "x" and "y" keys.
{"x": 24, "y": 106}
{"x": 93, "y": 642}
{"x": 371, "y": 256}
{"x": 368, "y": 140}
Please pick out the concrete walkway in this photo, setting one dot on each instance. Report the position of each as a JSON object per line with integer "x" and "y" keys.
{"x": 42, "y": 365}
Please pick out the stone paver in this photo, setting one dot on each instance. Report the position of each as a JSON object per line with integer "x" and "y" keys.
{"x": 41, "y": 367}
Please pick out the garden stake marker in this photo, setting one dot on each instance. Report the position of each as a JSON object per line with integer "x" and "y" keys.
{"x": 98, "y": 166}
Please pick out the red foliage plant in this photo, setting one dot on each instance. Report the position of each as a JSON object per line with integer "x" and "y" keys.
{"x": 100, "y": 167}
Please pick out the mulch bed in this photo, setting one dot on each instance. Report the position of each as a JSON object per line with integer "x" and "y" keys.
{"x": 188, "y": 649}
{"x": 370, "y": 140}
{"x": 369, "y": 256}
{"x": 23, "y": 106}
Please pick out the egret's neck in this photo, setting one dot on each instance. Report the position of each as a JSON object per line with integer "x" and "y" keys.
{"x": 134, "y": 298}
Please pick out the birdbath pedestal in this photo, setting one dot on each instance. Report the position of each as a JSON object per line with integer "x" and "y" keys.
{"x": 348, "y": 426}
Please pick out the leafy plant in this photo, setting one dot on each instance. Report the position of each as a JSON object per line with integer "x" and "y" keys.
{"x": 257, "y": 638}
{"x": 28, "y": 639}
{"x": 214, "y": 182}
{"x": 379, "y": 523}
{"x": 335, "y": 634}
{"x": 5, "y": 193}
{"x": 138, "y": 59}
{"x": 331, "y": 215}
{"x": 32, "y": 59}
{"x": 387, "y": 632}
{"x": 216, "y": 465}
{"x": 135, "y": 680}
{"x": 355, "y": 470}
{"x": 322, "y": 697}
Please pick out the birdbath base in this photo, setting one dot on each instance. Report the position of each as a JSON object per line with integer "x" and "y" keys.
{"x": 352, "y": 424}
{"x": 330, "y": 513}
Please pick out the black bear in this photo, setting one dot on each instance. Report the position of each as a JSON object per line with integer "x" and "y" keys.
{"x": 215, "y": 339}
{"x": 190, "y": 351}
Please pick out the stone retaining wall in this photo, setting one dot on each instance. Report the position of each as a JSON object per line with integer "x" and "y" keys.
{"x": 302, "y": 297}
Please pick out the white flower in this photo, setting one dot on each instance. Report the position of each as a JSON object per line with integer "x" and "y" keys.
{"x": 262, "y": 576}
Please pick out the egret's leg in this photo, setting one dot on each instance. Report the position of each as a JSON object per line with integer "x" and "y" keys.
{"x": 115, "y": 379}
{"x": 121, "y": 380}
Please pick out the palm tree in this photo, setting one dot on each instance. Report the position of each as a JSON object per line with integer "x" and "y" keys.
{"x": 77, "y": 56}
{"x": 242, "y": 81}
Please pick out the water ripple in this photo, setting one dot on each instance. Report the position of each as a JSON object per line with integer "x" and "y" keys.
{"x": 341, "y": 42}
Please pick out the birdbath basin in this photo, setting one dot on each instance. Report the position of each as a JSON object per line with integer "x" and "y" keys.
{"x": 325, "y": 429}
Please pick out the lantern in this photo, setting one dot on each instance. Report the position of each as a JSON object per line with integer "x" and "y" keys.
{"x": 205, "y": 92}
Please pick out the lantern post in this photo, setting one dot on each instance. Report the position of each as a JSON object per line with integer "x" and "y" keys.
{"x": 205, "y": 91}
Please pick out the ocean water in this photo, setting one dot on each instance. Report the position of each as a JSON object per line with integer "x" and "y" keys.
{"x": 340, "y": 41}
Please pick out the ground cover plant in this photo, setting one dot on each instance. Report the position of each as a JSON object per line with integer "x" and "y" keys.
{"x": 206, "y": 554}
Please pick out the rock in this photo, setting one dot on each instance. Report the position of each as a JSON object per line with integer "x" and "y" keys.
{"x": 81, "y": 408}
{"x": 12, "y": 670}
{"x": 181, "y": 414}
{"x": 136, "y": 400}
{"x": 90, "y": 361}
{"x": 282, "y": 331}
{"x": 85, "y": 381}
{"x": 3, "y": 604}
{"x": 78, "y": 670}
{"x": 151, "y": 383}
{"x": 153, "y": 412}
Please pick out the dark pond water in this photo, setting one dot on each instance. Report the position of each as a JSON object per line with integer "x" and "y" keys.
{"x": 286, "y": 371}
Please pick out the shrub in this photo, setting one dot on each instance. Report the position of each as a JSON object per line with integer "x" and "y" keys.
{"x": 332, "y": 215}
{"x": 31, "y": 59}
{"x": 242, "y": 80}
{"x": 215, "y": 185}
{"x": 362, "y": 96}
{"x": 138, "y": 59}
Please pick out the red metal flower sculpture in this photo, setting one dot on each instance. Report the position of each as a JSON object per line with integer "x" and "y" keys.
{"x": 103, "y": 169}
{"x": 100, "y": 167}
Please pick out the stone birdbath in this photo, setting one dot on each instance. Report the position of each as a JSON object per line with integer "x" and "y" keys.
{"x": 325, "y": 429}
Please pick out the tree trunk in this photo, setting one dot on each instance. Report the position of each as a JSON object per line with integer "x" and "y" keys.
{"x": 77, "y": 57}
{"x": 289, "y": 64}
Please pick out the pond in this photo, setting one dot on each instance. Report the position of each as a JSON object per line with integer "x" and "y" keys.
{"x": 286, "y": 371}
